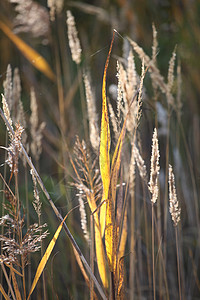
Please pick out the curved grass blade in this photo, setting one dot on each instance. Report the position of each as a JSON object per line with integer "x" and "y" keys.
{"x": 45, "y": 258}
{"x": 104, "y": 157}
{"x": 34, "y": 57}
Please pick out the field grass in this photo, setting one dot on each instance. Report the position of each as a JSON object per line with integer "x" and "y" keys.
{"x": 99, "y": 150}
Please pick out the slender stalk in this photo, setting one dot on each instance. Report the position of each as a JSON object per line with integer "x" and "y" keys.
{"x": 59, "y": 216}
{"x": 146, "y": 240}
{"x": 178, "y": 265}
{"x": 166, "y": 187}
{"x": 132, "y": 246}
{"x": 18, "y": 216}
{"x": 28, "y": 221}
{"x": 92, "y": 256}
{"x": 3, "y": 203}
{"x": 83, "y": 106}
{"x": 8, "y": 281}
{"x": 153, "y": 258}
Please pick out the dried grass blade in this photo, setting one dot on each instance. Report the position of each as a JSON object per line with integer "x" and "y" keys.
{"x": 16, "y": 288}
{"x": 34, "y": 57}
{"x": 14, "y": 270}
{"x": 82, "y": 269}
{"x": 45, "y": 258}
{"x": 3, "y": 292}
{"x": 104, "y": 157}
{"x": 120, "y": 292}
{"x": 123, "y": 239}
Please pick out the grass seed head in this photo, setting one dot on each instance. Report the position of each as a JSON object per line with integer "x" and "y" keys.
{"x": 174, "y": 209}
{"x": 155, "y": 168}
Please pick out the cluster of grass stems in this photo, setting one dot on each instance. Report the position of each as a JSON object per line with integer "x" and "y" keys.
{"x": 130, "y": 240}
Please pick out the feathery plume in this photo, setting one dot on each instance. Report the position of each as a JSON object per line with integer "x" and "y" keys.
{"x": 83, "y": 215}
{"x": 37, "y": 204}
{"x": 179, "y": 82}
{"x": 155, "y": 168}
{"x": 131, "y": 76}
{"x": 6, "y": 111}
{"x": 113, "y": 120}
{"x": 139, "y": 101}
{"x": 32, "y": 18}
{"x": 14, "y": 149}
{"x": 140, "y": 163}
{"x": 55, "y": 6}
{"x": 36, "y": 129}
{"x": 155, "y": 44}
{"x": 74, "y": 42}
{"x": 8, "y": 89}
{"x": 174, "y": 209}
{"x": 92, "y": 115}
{"x": 16, "y": 88}
{"x": 156, "y": 77}
{"x": 171, "y": 76}
{"x": 120, "y": 90}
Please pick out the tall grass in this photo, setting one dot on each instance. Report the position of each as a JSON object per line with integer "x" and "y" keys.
{"x": 90, "y": 159}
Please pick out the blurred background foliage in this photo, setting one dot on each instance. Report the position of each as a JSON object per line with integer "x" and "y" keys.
{"x": 177, "y": 23}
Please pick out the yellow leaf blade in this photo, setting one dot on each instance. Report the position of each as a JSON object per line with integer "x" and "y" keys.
{"x": 34, "y": 57}
{"x": 104, "y": 157}
{"x": 110, "y": 235}
{"x": 45, "y": 258}
{"x": 100, "y": 253}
